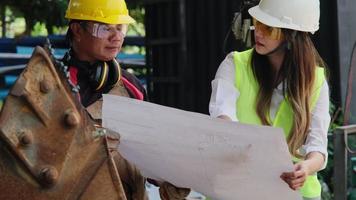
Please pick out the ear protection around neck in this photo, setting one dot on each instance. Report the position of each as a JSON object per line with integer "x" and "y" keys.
{"x": 102, "y": 75}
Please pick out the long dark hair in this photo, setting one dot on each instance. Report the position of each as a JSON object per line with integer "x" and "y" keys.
{"x": 298, "y": 75}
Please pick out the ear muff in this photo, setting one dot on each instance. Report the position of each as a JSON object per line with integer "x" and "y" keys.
{"x": 106, "y": 75}
{"x": 102, "y": 76}
{"x": 114, "y": 73}
{"x": 99, "y": 76}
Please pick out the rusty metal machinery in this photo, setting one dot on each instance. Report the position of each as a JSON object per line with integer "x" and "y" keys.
{"x": 49, "y": 146}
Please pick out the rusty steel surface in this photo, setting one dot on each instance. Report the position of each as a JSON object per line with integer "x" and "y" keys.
{"x": 49, "y": 146}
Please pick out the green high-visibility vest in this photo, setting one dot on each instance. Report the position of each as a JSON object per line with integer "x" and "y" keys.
{"x": 248, "y": 87}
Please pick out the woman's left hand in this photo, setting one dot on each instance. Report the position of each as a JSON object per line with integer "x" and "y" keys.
{"x": 296, "y": 179}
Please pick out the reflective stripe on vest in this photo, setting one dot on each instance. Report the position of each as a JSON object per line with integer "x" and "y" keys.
{"x": 248, "y": 87}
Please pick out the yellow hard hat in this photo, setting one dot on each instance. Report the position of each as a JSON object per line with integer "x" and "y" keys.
{"x": 105, "y": 11}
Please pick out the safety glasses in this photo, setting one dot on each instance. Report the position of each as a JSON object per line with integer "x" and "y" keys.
{"x": 270, "y": 32}
{"x": 104, "y": 31}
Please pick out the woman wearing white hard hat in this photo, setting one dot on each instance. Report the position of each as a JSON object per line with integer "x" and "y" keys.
{"x": 281, "y": 83}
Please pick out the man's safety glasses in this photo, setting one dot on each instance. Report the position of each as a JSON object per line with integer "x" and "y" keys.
{"x": 104, "y": 31}
{"x": 270, "y": 32}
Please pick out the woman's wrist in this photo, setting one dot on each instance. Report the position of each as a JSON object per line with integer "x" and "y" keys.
{"x": 307, "y": 167}
{"x": 314, "y": 162}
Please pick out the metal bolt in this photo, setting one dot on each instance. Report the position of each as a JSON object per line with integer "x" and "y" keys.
{"x": 71, "y": 119}
{"x": 26, "y": 138}
{"x": 45, "y": 86}
{"x": 49, "y": 176}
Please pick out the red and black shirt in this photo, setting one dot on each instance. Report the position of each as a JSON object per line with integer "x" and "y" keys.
{"x": 79, "y": 76}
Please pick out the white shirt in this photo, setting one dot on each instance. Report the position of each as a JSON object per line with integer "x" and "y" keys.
{"x": 224, "y": 96}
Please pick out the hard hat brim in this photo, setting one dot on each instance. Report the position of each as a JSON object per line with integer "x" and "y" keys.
{"x": 121, "y": 19}
{"x": 269, "y": 20}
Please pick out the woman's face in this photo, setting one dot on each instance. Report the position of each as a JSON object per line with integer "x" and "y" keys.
{"x": 267, "y": 38}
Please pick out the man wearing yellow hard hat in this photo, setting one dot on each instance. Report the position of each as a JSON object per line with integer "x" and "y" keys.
{"x": 97, "y": 29}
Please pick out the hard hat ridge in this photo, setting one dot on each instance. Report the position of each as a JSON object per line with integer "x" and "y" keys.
{"x": 105, "y": 11}
{"x": 300, "y": 15}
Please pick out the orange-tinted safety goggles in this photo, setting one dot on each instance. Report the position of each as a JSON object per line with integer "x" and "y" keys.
{"x": 270, "y": 32}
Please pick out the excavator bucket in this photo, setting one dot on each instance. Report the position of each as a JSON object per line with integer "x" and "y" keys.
{"x": 49, "y": 146}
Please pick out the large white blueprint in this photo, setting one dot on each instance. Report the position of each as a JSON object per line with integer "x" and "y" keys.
{"x": 220, "y": 159}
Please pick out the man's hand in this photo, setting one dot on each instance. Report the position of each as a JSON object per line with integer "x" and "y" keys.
{"x": 225, "y": 117}
{"x": 168, "y": 191}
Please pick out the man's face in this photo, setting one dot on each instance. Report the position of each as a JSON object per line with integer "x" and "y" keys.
{"x": 99, "y": 41}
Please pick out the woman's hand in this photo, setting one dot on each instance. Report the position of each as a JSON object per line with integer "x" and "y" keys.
{"x": 312, "y": 164}
{"x": 296, "y": 178}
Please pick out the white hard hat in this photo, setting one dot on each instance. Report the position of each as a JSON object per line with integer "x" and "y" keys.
{"x": 300, "y": 15}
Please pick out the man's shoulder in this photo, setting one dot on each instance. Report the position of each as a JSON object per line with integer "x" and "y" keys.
{"x": 133, "y": 81}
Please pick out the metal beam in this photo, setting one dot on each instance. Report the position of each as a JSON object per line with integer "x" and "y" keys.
{"x": 340, "y": 160}
{"x": 346, "y": 39}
